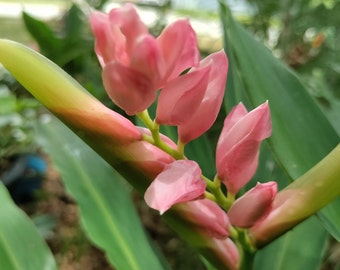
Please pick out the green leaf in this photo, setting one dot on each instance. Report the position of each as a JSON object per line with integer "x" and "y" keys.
{"x": 73, "y": 25}
{"x": 331, "y": 219}
{"x": 47, "y": 40}
{"x": 107, "y": 213}
{"x": 286, "y": 252}
{"x": 21, "y": 246}
{"x": 302, "y": 135}
{"x": 201, "y": 151}
{"x": 67, "y": 45}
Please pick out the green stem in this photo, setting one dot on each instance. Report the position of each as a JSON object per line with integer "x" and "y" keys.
{"x": 145, "y": 117}
{"x": 246, "y": 249}
{"x": 209, "y": 196}
{"x": 215, "y": 188}
{"x": 247, "y": 259}
{"x": 148, "y": 138}
{"x": 180, "y": 147}
{"x": 210, "y": 184}
{"x": 230, "y": 198}
{"x": 155, "y": 134}
{"x": 151, "y": 125}
{"x": 156, "y": 139}
{"x": 166, "y": 148}
{"x": 233, "y": 233}
{"x": 244, "y": 246}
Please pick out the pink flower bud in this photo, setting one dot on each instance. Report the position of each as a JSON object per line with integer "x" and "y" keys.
{"x": 179, "y": 182}
{"x": 181, "y": 97}
{"x": 207, "y": 216}
{"x": 192, "y": 101}
{"x": 205, "y": 115}
{"x": 239, "y": 144}
{"x": 178, "y": 43}
{"x": 230, "y": 253}
{"x": 253, "y": 205}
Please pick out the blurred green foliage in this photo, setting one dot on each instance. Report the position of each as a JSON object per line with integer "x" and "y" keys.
{"x": 16, "y": 115}
{"x": 305, "y": 34}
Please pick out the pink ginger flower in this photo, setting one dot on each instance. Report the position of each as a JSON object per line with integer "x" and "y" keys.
{"x": 192, "y": 101}
{"x": 135, "y": 64}
{"x": 179, "y": 182}
{"x": 254, "y": 205}
{"x": 239, "y": 144}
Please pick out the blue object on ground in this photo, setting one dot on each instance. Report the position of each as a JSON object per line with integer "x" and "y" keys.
{"x": 24, "y": 176}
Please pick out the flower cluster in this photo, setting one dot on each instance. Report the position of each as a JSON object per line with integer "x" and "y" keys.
{"x": 139, "y": 69}
{"x": 136, "y": 66}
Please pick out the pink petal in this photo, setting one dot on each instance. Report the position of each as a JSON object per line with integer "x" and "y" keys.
{"x": 239, "y": 143}
{"x": 181, "y": 97}
{"x": 128, "y": 89}
{"x": 178, "y": 43}
{"x": 109, "y": 41}
{"x": 255, "y": 124}
{"x": 179, "y": 182}
{"x": 208, "y": 216}
{"x": 207, "y": 112}
{"x": 147, "y": 59}
{"x": 253, "y": 205}
{"x": 240, "y": 165}
{"x": 130, "y": 24}
{"x": 236, "y": 114}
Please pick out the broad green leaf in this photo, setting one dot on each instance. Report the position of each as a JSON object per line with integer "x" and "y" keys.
{"x": 268, "y": 170}
{"x": 302, "y": 135}
{"x": 21, "y": 246}
{"x": 287, "y": 252}
{"x": 106, "y": 210}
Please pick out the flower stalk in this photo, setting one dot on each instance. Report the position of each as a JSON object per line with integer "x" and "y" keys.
{"x": 155, "y": 137}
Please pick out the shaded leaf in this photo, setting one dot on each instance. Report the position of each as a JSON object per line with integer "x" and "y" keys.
{"x": 48, "y": 42}
{"x": 21, "y": 246}
{"x": 286, "y": 252}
